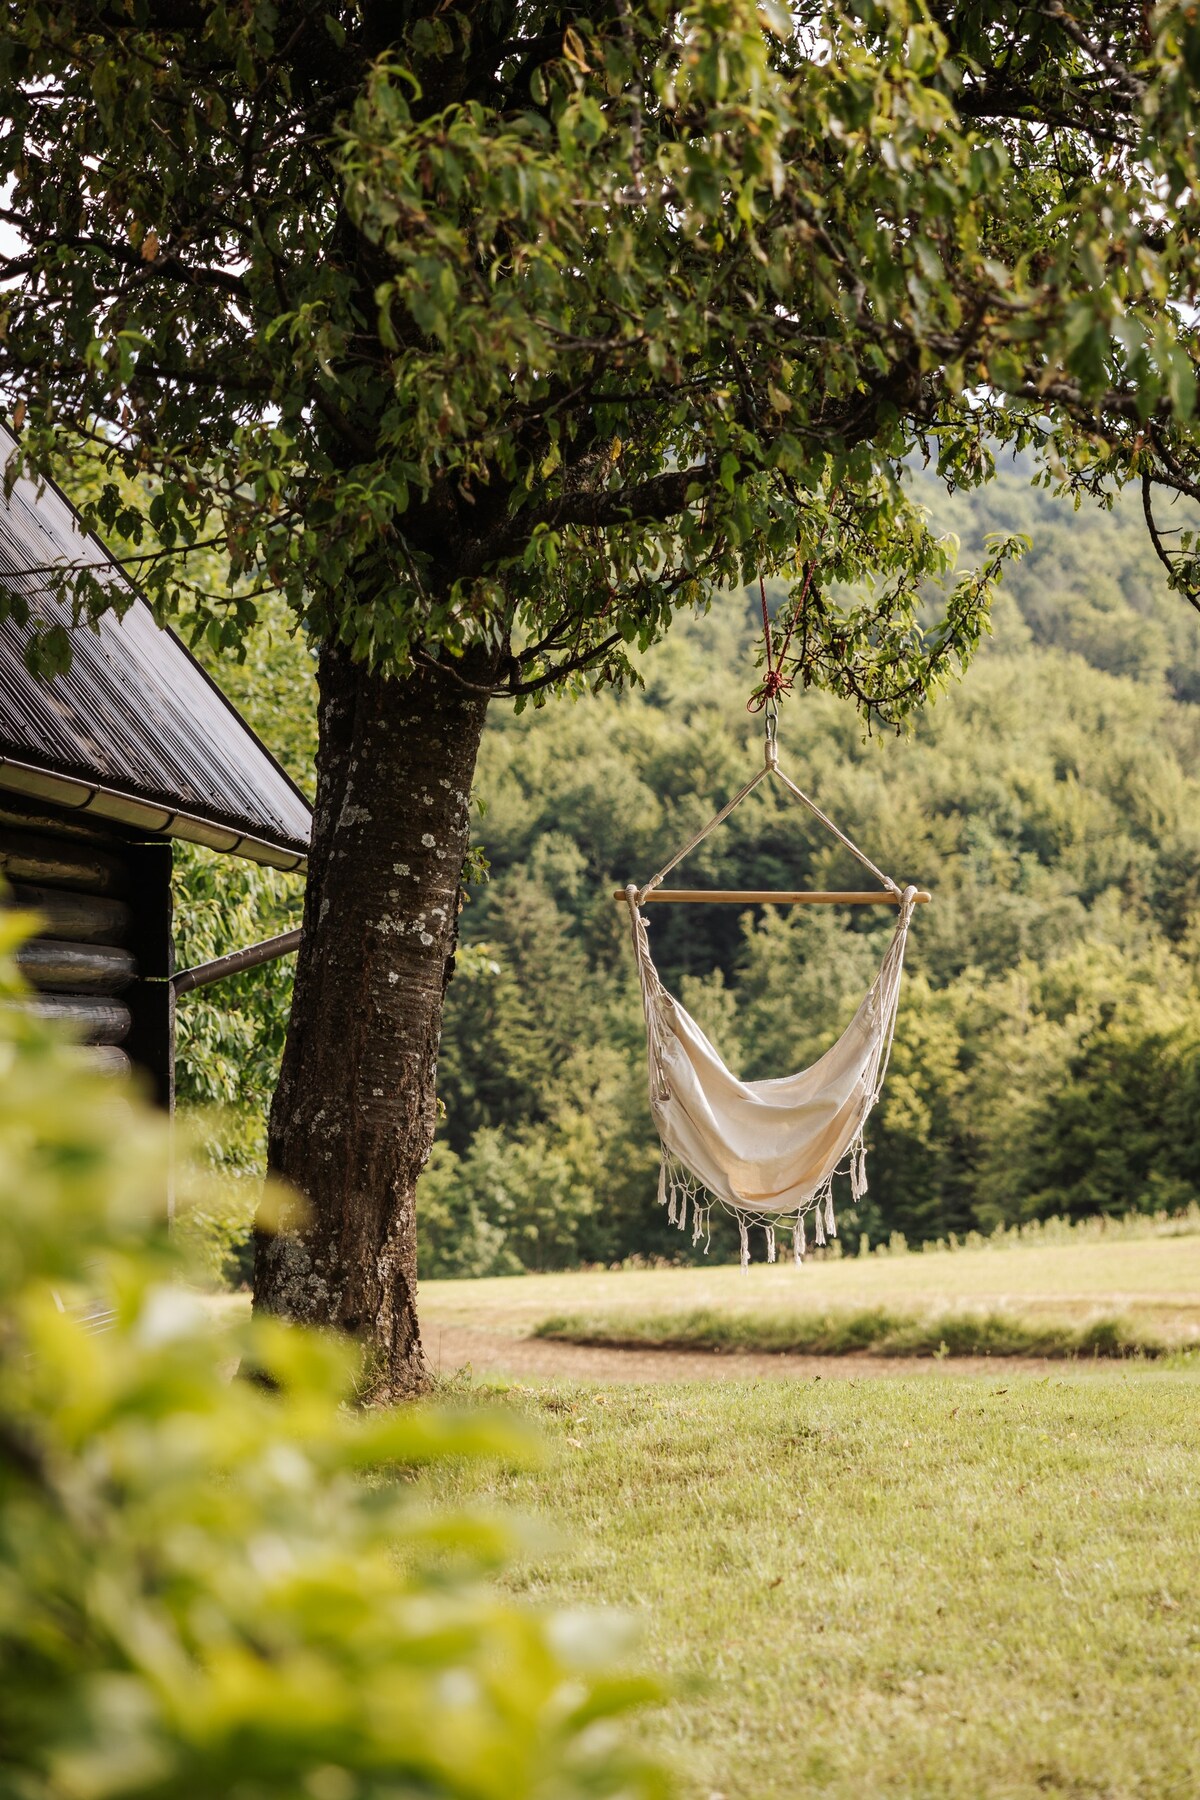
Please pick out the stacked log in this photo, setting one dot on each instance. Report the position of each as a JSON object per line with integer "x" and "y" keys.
{"x": 79, "y": 962}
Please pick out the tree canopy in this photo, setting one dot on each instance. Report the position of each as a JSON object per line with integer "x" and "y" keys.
{"x": 500, "y": 331}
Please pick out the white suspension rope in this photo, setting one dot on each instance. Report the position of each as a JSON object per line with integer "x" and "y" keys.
{"x": 770, "y": 767}
{"x": 718, "y": 819}
{"x": 851, "y": 846}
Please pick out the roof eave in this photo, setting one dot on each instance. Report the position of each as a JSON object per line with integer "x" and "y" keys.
{"x": 143, "y": 815}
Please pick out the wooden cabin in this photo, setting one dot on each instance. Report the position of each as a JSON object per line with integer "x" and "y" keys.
{"x": 100, "y": 770}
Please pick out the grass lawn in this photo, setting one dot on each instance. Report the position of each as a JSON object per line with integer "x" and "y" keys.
{"x": 1082, "y": 1293}
{"x": 934, "y": 1587}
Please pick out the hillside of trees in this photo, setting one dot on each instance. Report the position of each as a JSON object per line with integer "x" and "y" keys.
{"x": 1047, "y": 1056}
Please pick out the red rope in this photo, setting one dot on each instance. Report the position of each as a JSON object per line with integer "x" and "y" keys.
{"x": 775, "y": 682}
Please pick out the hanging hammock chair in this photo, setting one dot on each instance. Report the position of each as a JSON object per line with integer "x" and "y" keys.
{"x": 766, "y": 1151}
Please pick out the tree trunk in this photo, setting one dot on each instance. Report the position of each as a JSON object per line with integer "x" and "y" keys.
{"x": 353, "y": 1115}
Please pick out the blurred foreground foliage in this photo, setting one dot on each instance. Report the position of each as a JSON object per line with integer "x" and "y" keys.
{"x": 212, "y": 1591}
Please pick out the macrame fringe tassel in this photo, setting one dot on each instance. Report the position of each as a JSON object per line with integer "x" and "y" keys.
{"x": 677, "y": 1186}
{"x": 674, "y": 1193}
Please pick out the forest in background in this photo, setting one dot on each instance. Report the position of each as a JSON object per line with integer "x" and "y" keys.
{"x": 1047, "y": 1054}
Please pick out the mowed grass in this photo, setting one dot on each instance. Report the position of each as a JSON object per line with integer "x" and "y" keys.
{"x": 932, "y": 1588}
{"x": 1085, "y": 1295}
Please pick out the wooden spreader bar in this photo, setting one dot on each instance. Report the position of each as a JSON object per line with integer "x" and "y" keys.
{"x": 775, "y": 897}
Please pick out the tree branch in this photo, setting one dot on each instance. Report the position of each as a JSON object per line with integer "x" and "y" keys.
{"x": 1160, "y": 549}
{"x": 124, "y": 256}
{"x": 658, "y": 498}
{"x": 1125, "y": 80}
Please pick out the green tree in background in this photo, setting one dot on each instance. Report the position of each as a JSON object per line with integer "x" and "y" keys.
{"x": 490, "y": 335}
{"x": 1050, "y": 803}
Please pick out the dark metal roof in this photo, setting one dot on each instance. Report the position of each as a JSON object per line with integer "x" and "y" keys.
{"x": 135, "y": 723}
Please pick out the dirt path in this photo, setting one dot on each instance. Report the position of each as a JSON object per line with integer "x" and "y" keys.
{"x": 454, "y": 1347}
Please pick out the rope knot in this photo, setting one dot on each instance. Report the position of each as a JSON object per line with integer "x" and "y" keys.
{"x": 774, "y": 684}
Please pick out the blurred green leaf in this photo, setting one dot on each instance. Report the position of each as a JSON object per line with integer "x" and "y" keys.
{"x": 211, "y": 1588}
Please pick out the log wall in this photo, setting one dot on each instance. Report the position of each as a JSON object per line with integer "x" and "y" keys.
{"x": 102, "y": 957}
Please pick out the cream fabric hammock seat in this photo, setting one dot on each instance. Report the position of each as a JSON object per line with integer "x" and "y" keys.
{"x": 766, "y": 1151}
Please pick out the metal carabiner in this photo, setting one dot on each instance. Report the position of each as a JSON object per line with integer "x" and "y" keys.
{"x": 771, "y": 732}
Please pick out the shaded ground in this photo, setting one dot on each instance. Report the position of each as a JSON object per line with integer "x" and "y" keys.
{"x": 1154, "y": 1278}
{"x": 451, "y": 1348}
{"x": 990, "y": 1305}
